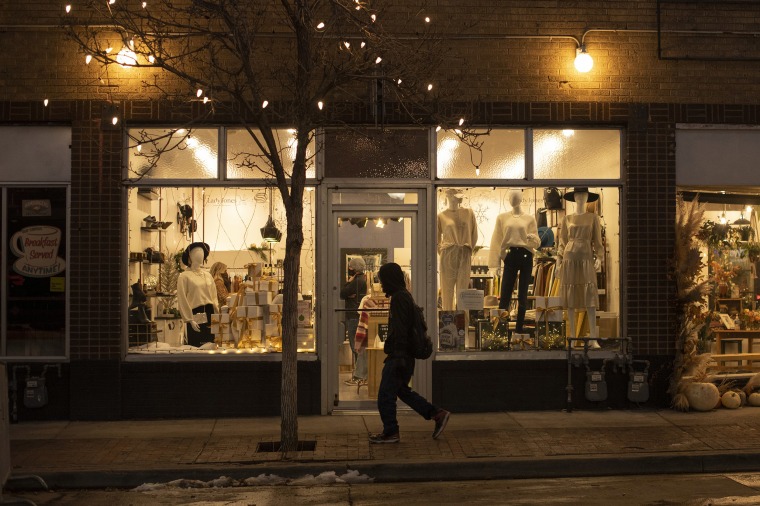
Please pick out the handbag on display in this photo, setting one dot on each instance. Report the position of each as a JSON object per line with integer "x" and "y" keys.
{"x": 552, "y": 198}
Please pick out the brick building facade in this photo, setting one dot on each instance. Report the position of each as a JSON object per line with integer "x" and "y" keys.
{"x": 644, "y": 81}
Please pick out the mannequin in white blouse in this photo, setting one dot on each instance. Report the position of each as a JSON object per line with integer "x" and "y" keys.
{"x": 457, "y": 236}
{"x": 196, "y": 294}
{"x": 515, "y": 239}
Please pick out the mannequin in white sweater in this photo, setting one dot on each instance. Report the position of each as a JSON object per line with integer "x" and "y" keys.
{"x": 515, "y": 238}
{"x": 196, "y": 295}
{"x": 457, "y": 237}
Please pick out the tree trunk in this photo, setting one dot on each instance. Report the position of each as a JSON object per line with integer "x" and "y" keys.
{"x": 292, "y": 264}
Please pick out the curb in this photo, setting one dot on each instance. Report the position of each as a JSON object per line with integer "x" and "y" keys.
{"x": 396, "y": 471}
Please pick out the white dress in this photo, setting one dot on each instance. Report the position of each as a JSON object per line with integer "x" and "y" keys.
{"x": 579, "y": 236}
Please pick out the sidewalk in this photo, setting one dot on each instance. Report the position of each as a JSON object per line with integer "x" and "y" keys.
{"x": 474, "y": 446}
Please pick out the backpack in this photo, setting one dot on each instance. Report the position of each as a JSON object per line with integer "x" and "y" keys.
{"x": 422, "y": 345}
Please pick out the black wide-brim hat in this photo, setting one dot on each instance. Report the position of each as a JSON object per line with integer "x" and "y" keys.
{"x": 592, "y": 197}
{"x": 192, "y": 246}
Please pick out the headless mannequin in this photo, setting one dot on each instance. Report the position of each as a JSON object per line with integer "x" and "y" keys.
{"x": 514, "y": 240}
{"x": 194, "y": 279}
{"x": 457, "y": 236}
{"x": 580, "y": 199}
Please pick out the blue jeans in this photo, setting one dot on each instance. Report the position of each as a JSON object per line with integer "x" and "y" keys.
{"x": 397, "y": 371}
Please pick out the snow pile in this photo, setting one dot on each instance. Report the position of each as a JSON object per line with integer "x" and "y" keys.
{"x": 326, "y": 478}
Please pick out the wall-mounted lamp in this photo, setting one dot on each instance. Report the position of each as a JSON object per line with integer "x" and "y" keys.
{"x": 583, "y": 60}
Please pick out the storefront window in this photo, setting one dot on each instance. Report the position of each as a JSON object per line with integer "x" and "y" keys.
{"x": 164, "y": 221}
{"x": 35, "y": 272}
{"x": 483, "y": 246}
{"x": 502, "y": 156}
{"x": 184, "y": 154}
{"x": 576, "y": 154}
{"x": 400, "y": 153}
{"x": 245, "y": 159}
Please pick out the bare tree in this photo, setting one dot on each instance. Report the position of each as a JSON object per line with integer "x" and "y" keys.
{"x": 272, "y": 64}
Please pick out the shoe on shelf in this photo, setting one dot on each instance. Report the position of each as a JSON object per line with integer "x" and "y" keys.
{"x": 441, "y": 419}
{"x": 384, "y": 438}
{"x": 351, "y": 382}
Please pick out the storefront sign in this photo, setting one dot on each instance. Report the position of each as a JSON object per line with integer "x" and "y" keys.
{"x": 37, "y": 249}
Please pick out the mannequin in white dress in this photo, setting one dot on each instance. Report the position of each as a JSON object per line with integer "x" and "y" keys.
{"x": 196, "y": 295}
{"x": 457, "y": 236}
{"x": 580, "y": 236}
{"x": 515, "y": 239}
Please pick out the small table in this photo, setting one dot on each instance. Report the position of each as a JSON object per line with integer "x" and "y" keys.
{"x": 736, "y": 335}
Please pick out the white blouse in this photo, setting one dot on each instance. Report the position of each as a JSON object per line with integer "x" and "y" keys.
{"x": 195, "y": 288}
{"x": 457, "y": 227}
{"x": 512, "y": 230}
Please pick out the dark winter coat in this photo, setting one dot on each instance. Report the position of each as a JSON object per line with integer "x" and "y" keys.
{"x": 401, "y": 317}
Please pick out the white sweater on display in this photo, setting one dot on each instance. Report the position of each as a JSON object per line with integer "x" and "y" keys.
{"x": 512, "y": 230}
{"x": 195, "y": 288}
{"x": 457, "y": 227}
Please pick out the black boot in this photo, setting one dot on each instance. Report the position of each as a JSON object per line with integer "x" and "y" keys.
{"x": 142, "y": 315}
{"x": 138, "y": 296}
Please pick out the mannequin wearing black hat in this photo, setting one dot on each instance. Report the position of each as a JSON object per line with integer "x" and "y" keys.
{"x": 196, "y": 295}
{"x": 580, "y": 235}
{"x": 457, "y": 237}
{"x": 515, "y": 238}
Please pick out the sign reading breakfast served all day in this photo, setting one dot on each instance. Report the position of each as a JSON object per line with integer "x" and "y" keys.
{"x": 37, "y": 249}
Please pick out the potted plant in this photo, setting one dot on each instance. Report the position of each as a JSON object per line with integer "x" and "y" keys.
{"x": 752, "y": 250}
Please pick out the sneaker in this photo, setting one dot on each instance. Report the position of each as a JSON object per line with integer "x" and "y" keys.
{"x": 384, "y": 438}
{"x": 351, "y": 382}
{"x": 441, "y": 419}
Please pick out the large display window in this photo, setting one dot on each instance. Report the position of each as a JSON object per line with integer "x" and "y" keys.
{"x": 500, "y": 254}
{"x": 223, "y": 247}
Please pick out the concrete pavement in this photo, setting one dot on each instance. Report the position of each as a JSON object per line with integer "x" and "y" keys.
{"x": 474, "y": 446}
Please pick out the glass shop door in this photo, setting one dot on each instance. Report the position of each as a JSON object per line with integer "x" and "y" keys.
{"x": 367, "y": 230}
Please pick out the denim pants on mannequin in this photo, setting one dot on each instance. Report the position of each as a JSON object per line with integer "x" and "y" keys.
{"x": 517, "y": 261}
{"x": 394, "y": 383}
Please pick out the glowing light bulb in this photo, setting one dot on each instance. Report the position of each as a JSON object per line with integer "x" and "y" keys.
{"x": 461, "y": 121}
{"x": 362, "y": 44}
{"x": 109, "y": 49}
{"x": 583, "y": 60}
{"x": 151, "y": 59}
{"x": 111, "y": 2}
{"x": 114, "y": 120}
{"x": 430, "y": 87}
{"x": 373, "y": 18}
{"x": 139, "y": 148}
{"x": 126, "y": 57}
{"x": 438, "y": 128}
{"x": 264, "y": 104}
{"x": 199, "y": 93}
{"x": 68, "y": 9}
{"x": 347, "y": 44}
{"x": 45, "y": 102}
{"x": 87, "y": 59}
{"x": 320, "y": 104}
{"x": 144, "y": 4}
{"x": 477, "y": 171}
{"x": 398, "y": 82}
{"x": 380, "y": 223}
{"x": 457, "y": 131}
{"x": 205, "y": 100}
{"x": 321, "y": 25}
{"x": 378, "y": 60}
{"x": 427, "y": 19}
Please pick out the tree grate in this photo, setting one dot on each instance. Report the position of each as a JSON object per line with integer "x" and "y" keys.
{"x": 274, "y": 446}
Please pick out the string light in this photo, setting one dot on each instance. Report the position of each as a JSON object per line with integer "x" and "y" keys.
{"x": 461, "y": 121}
{"x": 109, "y": 49}
{"x": 373, "y": 18}
{"x": 45, "y": 102}
{"x": 457, "y": 131}
{"x": 378, "y": 60}
{"x": 430, "y": 87}
{"x": 111, "y": 2}
{"x": 321, "y": 25}
{"x": 139, "y": 148}
{"x": 126, "y": 57}
{"x": 199, "y": 93}
{"x": 438, "y": 128}
{"x": 264, "y": 104}
{"x": 477, "y": 171}
{"x": 151, "y": 59}
{"x": 320, "y": 104}
{"x": 362, "y": 44}
{"x": 87, "y": 59}
{"x": 398, "y": 82}
{"x": 347, "y": 44}
{"x": 205, "y": 100}
{"x": 68, "y": 8}
{"x": 144, "y": 4}
{"x": 427, "y": 19}
{"x": 114, "y": 120}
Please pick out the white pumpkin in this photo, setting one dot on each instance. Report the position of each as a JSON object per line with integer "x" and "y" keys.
{"x": 731, "y": 400}
{"x": 702, "y": 396}
{"x": 754, "y": 399}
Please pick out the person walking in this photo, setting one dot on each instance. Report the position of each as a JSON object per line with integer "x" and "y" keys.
{"x": 399, "y": 363}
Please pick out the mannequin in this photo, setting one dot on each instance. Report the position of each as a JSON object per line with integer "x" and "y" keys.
{"x": 457, "y": 236}
{"x": 196, "y": 294}
{"x": 580, "y": 235}
{"x": 515, "y": 238}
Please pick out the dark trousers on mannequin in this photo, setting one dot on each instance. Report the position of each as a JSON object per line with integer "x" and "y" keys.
{"x": 204, "y": 336}
{"x": 519, "y": 261}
